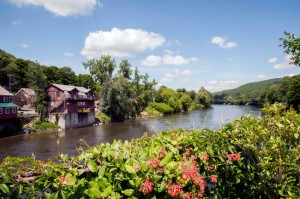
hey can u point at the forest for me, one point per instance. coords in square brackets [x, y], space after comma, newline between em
[283, 90]
[123, 92]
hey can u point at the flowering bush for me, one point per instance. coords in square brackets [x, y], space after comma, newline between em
[232, 162]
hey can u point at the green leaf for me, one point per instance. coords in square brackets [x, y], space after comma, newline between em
[296, 135]
[166, 159]
[101, 172]
[128, 192]
[92, 166]
[94, 192]
[4, 188]
[209, 150]
[129, 169]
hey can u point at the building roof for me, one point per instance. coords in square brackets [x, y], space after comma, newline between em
[7, 105]
[28, 91]
[70, 88]
[3, 91]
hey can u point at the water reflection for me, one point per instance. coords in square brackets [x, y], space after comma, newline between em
[44, 146]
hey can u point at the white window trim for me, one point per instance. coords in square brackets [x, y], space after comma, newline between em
[7, 110]
[1, 111]
[14, 110]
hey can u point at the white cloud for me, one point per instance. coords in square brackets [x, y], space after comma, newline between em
[214, 86]
[180, 75]
[285, 64]
[186, 72]
[62, 8]
[223, 43]
[24, 45]
[16, 23]
[168, 58]
[273, 60]
[68, 54]
[120, 43]
[261, 77]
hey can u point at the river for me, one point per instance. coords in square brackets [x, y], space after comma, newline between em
[45, 146]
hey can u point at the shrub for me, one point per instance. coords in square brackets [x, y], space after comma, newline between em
[43, 126]
[103, 117]
[152, 112]
[250, 158]
[162, 108]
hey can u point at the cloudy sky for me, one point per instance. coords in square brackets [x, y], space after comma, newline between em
[217, 44]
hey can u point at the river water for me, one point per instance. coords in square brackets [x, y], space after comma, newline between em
[48, 145]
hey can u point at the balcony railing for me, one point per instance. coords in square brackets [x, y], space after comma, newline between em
[80, 97]
[83, 109]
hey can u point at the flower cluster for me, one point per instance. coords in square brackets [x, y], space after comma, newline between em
[153, 163]
[174, 189]
[234, 156]
[214, 178]
[146, 187]
[162, 152]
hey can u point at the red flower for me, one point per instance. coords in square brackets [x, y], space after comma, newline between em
[174, 189]
[146, 187]
[214, 178]
[187, 152]
[153, 163]
[234, 156]
[190, 173]
[188, 195]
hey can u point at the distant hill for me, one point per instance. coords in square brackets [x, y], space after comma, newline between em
[250, 87]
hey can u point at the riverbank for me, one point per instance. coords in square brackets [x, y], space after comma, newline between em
[175, 163]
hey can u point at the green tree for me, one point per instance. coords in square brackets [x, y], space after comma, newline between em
[204, 97]
[51, 73]
[86, 80]
[125, 69]
[293, 94]
[102, 69]
[66, 76]
[291, 45]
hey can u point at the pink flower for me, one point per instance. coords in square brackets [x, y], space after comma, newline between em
[190, 173]
[234, 156]
[187, 152]
[205, 157]
[210, 168]
[214, 178]
[198, 181]
[162, 152]
[187, 195]
[174, 189]
[146, 187]
[153, 163]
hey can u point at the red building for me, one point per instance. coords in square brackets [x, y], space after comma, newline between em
[8, 110]
[70, 106]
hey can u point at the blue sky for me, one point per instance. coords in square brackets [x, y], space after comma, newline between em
[217, 44]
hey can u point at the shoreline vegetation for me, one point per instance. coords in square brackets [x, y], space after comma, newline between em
[248, 158]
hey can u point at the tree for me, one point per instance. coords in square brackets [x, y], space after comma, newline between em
[291, 45]
[293, 94]
[125, 69]
[86, 80]
[66, 76]
[51, 73]
[204, 97]
[101, 70]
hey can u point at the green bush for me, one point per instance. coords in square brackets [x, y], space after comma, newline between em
[103, 117]
[162, 108]
[250, 158]
[152, 111]
[43, 126]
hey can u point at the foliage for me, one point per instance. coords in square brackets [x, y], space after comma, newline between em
[162, 108]
[43, 126]
[291, 45]
[283, 90]
[152, 111]
[272, 145]
[204, 97]
[250, 158]
[103, 117]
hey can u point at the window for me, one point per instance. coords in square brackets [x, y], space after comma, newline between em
[7, 110]
[5, 98]
[14, 110]
[57, 93]
[1, 110]
[10, 99]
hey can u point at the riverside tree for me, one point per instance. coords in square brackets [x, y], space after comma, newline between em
[291, 45]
